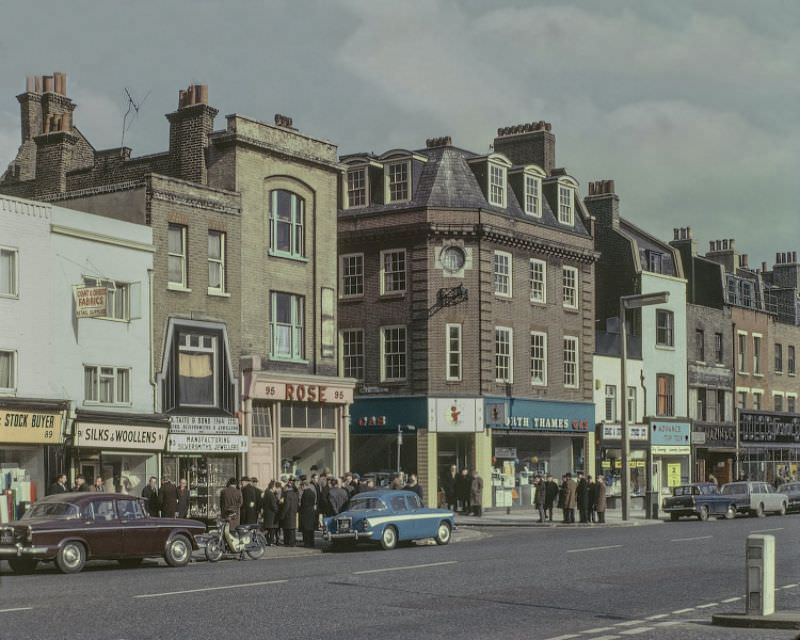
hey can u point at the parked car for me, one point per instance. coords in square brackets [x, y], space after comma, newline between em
[387, 517]
[700, 499]
[792, 491]
[756, 498]
[71, 528]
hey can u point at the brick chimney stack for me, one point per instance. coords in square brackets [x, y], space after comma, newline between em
[724, 252]
[189, 127]
[531, 143]
[603, 203]
[786, 272]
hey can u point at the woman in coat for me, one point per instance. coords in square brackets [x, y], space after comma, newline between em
[600, 498]
[570, 498]
[270, 512]
[476, 494]
[308, 514]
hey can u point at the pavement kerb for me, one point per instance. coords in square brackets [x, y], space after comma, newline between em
[778, 620]
[482, 522]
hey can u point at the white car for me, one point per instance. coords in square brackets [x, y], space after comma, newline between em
[756, 498]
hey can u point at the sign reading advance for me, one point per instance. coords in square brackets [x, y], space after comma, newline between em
[30, 427]
[670, 434]
[227, 425]
[115, 436]
[192, 443]
[757, 428]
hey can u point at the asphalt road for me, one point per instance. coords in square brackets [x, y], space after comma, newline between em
[661, 581]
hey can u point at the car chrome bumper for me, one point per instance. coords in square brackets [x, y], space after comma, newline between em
[352, 535]
[21, 550]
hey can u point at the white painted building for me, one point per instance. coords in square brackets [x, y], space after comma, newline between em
[76, 393]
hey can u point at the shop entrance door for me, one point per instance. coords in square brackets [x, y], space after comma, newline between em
[89, 470]
[454, 449]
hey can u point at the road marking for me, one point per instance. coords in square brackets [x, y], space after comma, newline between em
[789, 586]
[597, 630]
[731, 599]
[767, 530]
[690, 539]
[628, 623]
[413, 566]
[610, 546]
[679, 611]
[569, 636]
[230, 586]
[668, 623]
[658, 616]
[607, 638]
[636, 631]
[16, 609]
[708, 606]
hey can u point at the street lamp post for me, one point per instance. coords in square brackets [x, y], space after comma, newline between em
[636, 301]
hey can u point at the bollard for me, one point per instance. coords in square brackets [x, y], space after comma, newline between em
[760, 554]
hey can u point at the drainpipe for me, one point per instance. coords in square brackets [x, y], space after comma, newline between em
[150, 313]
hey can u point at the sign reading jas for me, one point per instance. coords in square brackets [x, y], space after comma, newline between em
[227, 425]
[117, 436]
[194, 443]
[455, 415]
[30, 427]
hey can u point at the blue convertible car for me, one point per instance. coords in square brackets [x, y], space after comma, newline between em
[388, 517]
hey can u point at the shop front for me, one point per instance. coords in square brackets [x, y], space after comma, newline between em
[31, 453]
[769, 445]
[296, 424]
[536, 437]
[714, 452]
[671, 454]
[206, 451]
[609, 459]
[124, 449]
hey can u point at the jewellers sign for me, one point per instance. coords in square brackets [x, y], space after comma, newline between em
[90, 302]
[116, 436]
[757, 428]
[193, 443]
[219, 425]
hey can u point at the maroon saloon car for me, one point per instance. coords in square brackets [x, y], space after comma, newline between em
[71, 528]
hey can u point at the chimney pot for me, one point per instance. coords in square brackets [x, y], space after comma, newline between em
[39, 81]
[731, 244]
[30, 84]
[202, 93]
[744, 261]
[48, 84]
[675, 234]
[794, 256]
[763, 266]
[56, 82]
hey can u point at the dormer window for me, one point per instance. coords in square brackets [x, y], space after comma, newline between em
[398, 181]
[533, 196]
[357, 188]
[566, 205]
[497, 185]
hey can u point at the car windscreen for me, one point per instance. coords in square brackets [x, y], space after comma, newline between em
[732, 489]
[682, 491]
[57, 510]
[366, 504]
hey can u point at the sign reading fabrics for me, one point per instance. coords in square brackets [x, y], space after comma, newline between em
[30, 427]
[193, 443]
[90, 302]
[227, 425]
[116, 436]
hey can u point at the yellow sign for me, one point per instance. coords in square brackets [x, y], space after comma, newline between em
[673, 475]
[30, 427]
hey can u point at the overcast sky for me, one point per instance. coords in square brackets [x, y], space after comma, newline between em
[692, 107]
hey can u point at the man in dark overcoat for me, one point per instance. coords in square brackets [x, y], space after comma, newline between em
[230, 503]
[582, 496]
[183, 499]
[308, 514]
[550, 496]
[287, 513]
[450, 488]
[251, 497]
[269, 510]
[169, 499]
[151, 495]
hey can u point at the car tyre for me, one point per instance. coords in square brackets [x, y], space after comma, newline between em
[71, 557]
[759, 512]
[23, 566]
[674, 517]
[782, 511]
[730, 512]
[130, 563]
[178, 551]
[702, 515]
[389, 538]
[443, 533]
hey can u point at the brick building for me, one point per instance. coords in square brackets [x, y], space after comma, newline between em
[233, 212]
[466, 297]
[634, 262]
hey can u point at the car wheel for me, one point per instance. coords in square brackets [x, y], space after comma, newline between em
[702, 515]
[759, 513]
[443, 533]
[71, 557]
[214, 549]
[23, 566]
[130, 563]
[730, 512]
[674, 517]
[782, 511]
[389, 538]
[178, 551]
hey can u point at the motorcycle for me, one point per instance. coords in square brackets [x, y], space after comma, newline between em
[245, 540]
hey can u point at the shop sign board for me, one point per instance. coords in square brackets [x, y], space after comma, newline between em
[637, 432]
[206, 443]
[540, 415]
[670, 450]
[283, 390]
[674, 474]
[495, 414]
[29, 427]
[120, 436]
[90, 302]
[455, 415]
[670, 433]
[719, 436]
[698, 437]
[505, 453]
[220, 425]
[762, 427]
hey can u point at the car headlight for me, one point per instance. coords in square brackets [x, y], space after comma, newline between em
[366, 524]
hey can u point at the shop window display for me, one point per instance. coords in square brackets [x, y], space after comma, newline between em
[206, 477]
[21, 480]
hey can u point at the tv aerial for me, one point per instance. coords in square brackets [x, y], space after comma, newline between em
[132, 112]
